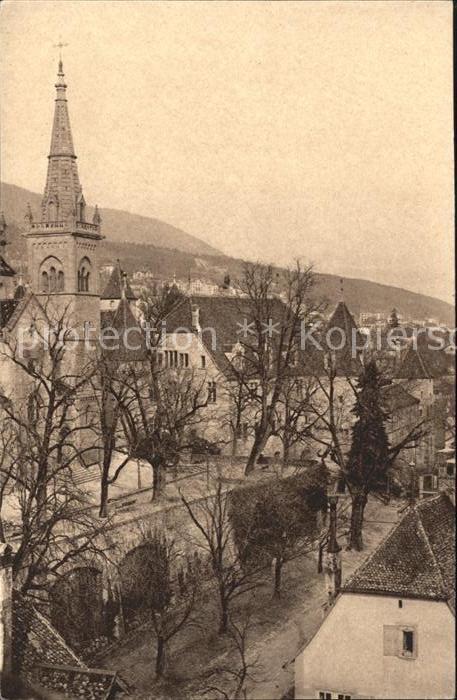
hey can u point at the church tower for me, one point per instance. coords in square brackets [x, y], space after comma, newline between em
[62, 244]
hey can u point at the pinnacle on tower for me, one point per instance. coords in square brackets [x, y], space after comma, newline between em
[97, 219]
[28, 214]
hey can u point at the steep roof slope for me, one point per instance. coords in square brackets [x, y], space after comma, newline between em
[113, 288]
[417, 558]
[224, 321]
[122, 338]
[395, 398]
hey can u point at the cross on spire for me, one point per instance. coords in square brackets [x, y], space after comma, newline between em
[60, 46]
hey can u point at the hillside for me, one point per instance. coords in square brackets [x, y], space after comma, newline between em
[175, 255]
[118, 225]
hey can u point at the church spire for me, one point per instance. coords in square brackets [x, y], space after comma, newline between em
[62, 198]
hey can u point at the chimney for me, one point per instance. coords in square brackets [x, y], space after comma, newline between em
[196, 318]
[332, 563]
[6, 622]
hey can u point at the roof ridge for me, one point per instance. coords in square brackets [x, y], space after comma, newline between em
[422, 362]
[430, 549]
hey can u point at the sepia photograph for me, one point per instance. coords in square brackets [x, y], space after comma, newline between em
[227, 350]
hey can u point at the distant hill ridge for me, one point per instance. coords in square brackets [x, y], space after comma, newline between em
[116, 223]
[165, 250]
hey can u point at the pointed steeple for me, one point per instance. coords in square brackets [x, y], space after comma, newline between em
[118, 286]
[63, 189]
[341, 289]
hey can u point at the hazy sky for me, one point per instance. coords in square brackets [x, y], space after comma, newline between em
[269, 129]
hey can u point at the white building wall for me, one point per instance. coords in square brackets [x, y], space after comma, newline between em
[346, 656]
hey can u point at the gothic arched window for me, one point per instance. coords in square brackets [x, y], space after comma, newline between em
[84, 275]
[52, 278]
[44, 281]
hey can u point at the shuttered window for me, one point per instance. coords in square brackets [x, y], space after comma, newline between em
[391, 639]
[400, 641]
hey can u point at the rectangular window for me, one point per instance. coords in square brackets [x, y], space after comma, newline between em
[429, 482]
[203, 361]
[212, 395]
[183, 359]
[408, 642]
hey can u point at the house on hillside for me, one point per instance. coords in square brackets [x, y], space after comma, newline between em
[391, 630]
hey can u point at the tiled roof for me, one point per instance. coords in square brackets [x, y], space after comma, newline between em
[416, 559]
[113, 289]
[396, 398]
[5, 269]
[42, 655]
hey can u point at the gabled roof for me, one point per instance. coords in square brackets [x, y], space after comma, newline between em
[342, 318]
[341, 330]
[14, 308]
[7, 307]
[424, 358]
[129, 342]
[113, 289]
[226, 316]
[396, 398]
[5, 269]
[416, 559]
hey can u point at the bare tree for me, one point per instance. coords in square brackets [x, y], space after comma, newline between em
[275, 307]
[155, 303]
[49, 437]
[113, 399]
[159, 413]
[150, 585]
[214, 533]
[294, 414]
[234, 677]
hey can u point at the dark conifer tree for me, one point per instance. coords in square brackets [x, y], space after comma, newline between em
[369, 456]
